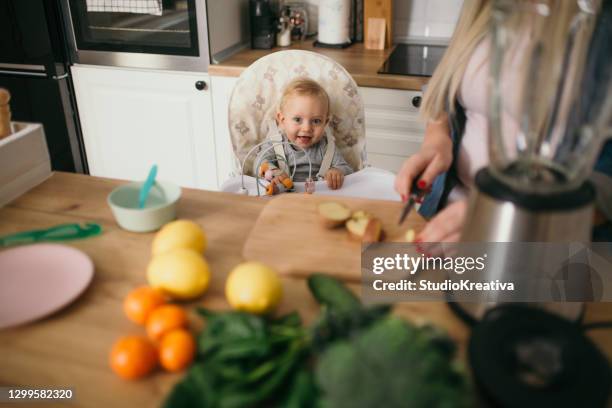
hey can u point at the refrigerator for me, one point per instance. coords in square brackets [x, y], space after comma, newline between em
[34, 67]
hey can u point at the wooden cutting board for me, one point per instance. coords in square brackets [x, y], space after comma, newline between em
[288, 235]
[379, 9]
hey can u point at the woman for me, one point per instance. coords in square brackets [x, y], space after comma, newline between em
[455, 108]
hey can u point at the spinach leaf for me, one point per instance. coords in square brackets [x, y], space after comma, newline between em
[342, 314]
[332, 293]
[243, 361]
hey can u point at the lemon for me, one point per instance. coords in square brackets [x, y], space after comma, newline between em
[253, 287]
[181, 273]
[179, 234]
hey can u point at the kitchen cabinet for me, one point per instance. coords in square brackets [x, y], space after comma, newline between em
[133, 118]
[221, 89]
[393, 128]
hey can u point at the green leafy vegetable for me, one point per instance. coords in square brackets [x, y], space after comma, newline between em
[342, 314]
[394, 364]
[332, 293]
[361, 357]
[243, 360]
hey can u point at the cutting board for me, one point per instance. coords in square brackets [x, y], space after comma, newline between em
[379, 9]
[288, 235]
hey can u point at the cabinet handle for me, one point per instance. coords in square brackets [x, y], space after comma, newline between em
[201, 85]
[416, 101]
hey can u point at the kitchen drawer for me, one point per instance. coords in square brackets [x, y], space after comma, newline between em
[394, 99]
[394, 130]
[399, 144]
[391, 110]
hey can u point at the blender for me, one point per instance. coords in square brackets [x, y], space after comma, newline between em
[549, 113]
[545, 129]
[550, 110]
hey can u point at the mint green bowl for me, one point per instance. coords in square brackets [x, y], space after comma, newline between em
[159, 209]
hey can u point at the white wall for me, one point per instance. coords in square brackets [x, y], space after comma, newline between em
[228, 22]
[424, 18]
[414, 18]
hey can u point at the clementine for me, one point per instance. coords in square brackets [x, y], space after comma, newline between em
[133, 357]
[140, 302]
[176, 350]
[164, 319]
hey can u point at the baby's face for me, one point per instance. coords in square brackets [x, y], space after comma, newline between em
[303, 118]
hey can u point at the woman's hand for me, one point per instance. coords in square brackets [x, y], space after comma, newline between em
[446, 226]
[334, 178]
[434, 158]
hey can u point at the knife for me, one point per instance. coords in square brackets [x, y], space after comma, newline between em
[407, 208]
[415, 194]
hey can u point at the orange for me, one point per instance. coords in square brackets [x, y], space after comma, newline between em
[164, 319]
[140, 302]
[176, 350]
[133, 357]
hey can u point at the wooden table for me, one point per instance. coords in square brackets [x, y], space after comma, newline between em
[70, 348]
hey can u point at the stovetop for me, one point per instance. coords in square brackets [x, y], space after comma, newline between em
[413, 60]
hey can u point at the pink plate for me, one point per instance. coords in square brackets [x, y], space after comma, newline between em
[37, 280]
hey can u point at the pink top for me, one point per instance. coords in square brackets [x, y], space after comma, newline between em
[472, 95]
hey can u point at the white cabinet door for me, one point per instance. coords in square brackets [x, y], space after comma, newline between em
[221, 89]
[132, 119]
[394, 130]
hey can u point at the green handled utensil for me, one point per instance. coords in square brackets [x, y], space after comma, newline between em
[146, 187]
[63, 232]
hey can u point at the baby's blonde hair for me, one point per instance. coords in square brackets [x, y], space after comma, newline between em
[303, 87]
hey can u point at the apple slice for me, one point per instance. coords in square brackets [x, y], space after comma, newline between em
[364, 229]
[333, 214]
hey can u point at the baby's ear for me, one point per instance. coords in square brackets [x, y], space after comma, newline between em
[279, 117]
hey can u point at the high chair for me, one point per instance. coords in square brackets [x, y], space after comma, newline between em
[252, 111]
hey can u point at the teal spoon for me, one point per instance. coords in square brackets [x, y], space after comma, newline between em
[146, 187]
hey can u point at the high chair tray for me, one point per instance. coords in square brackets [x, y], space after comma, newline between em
[289, 236]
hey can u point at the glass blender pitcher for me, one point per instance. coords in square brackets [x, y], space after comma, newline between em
[550, 105]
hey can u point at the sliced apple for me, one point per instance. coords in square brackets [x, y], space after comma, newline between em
[410, 235]
[361, 214]
[374, 231]
[364, 229]
[333, 214]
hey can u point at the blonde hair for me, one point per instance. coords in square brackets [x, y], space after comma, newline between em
[442, 89]
[303, 87]
[472, 27]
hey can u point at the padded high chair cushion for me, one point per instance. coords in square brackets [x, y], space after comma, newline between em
[256, 95]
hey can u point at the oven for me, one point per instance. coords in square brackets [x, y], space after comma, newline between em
[155, 34]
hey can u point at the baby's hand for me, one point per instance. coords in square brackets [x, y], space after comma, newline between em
[278, 178]
[334, 178]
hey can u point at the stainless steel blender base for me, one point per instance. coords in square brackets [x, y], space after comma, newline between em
[493, 220]
[496, 213]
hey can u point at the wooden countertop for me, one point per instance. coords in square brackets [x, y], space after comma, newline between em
[70, 348]
[362, 64]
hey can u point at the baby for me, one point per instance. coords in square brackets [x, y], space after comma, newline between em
[302, 116]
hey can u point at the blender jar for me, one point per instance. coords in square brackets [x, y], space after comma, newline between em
[545, 128]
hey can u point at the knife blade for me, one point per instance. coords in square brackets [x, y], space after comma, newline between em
[407, 208]
[415, 195]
